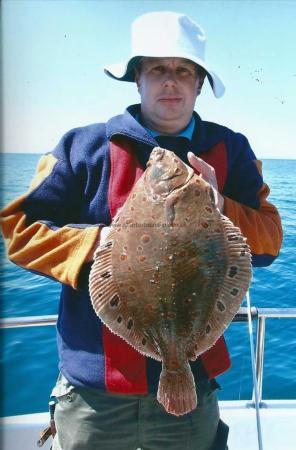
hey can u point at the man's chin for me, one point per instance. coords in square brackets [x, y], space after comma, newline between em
[170, 124]
[171, 113]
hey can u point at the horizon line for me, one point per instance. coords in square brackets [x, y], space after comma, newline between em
[43, 153]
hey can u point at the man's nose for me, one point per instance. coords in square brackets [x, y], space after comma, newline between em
[170, 78]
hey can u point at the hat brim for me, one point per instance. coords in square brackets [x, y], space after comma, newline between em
[125, 71]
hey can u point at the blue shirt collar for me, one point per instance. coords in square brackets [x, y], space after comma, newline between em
[186, 133]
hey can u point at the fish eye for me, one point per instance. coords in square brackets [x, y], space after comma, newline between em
[156, 172]
[212, 195]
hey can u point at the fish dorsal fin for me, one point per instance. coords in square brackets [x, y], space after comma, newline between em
[109, 305]
[237, 276]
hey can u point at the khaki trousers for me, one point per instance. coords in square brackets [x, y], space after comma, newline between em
[89, 419]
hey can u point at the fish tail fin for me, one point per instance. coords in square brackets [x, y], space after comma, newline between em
[176, 391]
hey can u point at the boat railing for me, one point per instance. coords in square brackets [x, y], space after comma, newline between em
[258, 314]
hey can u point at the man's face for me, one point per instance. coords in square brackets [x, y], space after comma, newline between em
[168, 88]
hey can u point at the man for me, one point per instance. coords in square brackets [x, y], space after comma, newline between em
[106, 392]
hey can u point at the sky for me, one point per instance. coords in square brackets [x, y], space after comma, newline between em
[54, 52]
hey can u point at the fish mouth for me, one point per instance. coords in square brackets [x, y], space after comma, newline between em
[163, 195]
[173, 175]
[190, 173]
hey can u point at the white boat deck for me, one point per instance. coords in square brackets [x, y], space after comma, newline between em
[278, 417]
[278, 421]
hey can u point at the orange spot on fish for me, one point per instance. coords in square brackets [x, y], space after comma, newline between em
[174, 365]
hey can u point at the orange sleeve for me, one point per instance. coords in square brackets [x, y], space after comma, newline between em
[262, 226]
[57, 252]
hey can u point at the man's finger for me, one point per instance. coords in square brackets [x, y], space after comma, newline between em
[199, 164]
[206, 171]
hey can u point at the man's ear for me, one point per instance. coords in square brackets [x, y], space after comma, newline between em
[137, 78]
[200, 84]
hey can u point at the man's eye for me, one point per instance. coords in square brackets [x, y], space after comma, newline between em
[183, 71]
[158, 69]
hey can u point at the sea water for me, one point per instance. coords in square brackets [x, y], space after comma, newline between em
[29, 357]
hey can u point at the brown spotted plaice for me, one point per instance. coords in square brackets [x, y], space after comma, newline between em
[172, 273]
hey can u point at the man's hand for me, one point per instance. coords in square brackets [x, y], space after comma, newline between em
[207, 172]
[103, 235]
[100, 241]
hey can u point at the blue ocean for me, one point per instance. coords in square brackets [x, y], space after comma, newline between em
[29, 356]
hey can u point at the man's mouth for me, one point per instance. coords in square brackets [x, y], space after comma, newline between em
[170, 99]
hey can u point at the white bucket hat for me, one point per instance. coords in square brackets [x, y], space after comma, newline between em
[164, 35]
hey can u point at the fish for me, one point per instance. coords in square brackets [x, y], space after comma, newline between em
[171, 274]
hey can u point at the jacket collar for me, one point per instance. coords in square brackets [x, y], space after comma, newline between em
[126, 125]
[205, 134]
